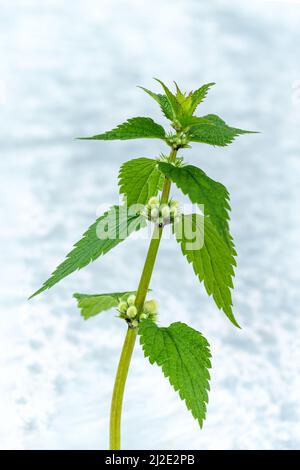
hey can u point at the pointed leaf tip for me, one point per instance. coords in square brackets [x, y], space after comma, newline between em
[133, 128]
[213, 263]
[92, 245]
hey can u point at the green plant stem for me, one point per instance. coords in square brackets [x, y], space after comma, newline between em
[118, 392]
[128, 346]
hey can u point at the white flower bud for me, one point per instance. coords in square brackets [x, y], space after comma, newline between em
[131, 312]
[143, 316]
[165, 212]
[122, 307]
[135, 323]
[154, 212]
[153, 201]
[150, 306]
[131, 300]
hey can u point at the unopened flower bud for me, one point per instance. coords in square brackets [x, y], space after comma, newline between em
[154, 213]
[131, 300]
[135, 323]
[131, 312]
[122, 307]
[165, 212]
[143, 316]
[153, 201]
[150, 306]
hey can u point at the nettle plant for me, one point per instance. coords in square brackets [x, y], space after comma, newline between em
[182, 352]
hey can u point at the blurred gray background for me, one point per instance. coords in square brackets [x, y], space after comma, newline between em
[69, 69]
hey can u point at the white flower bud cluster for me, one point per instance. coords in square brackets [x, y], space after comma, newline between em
[161, 214]
[178, 140]
[128, 311]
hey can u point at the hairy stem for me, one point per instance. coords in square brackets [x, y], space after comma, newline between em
[121, 376]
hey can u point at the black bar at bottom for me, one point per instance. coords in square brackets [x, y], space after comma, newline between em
[146, 458]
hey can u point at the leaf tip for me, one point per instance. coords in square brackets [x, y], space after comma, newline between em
[158, 80]
[36, 293]
[235, 323]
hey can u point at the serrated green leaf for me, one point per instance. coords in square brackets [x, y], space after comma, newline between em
[175, 106]
[106, 233]
[181, 105]
[140, 179]
[199, 95]
[181, 97]
[213, 263]
[184, 356]
[92, 304]
[211, 129]
[184, 100]
[202, 190]
[134, 128]
[163, 102]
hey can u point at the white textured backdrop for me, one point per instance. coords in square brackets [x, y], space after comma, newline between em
[69, 69]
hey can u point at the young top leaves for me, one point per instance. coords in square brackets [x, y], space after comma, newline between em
[199, 95]
[134, 128]
[140, 179]
[213, 263]
[202, 190]
[179, 109]
[173, 101]
[176, 106]
[163, 102]
[107, 232]
[184, 356]
[92, 304]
